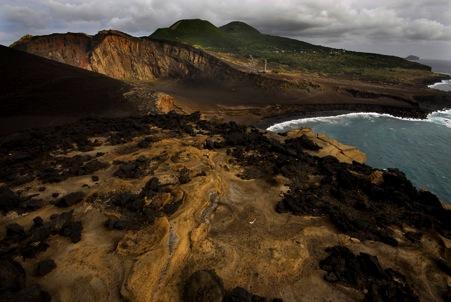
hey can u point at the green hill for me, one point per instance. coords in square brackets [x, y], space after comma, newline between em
[235, 36]
[195, 32]
[242, 39]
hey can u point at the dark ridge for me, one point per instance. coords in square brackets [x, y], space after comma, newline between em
[39, 92]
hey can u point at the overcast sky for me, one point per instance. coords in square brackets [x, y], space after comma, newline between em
[400, 27]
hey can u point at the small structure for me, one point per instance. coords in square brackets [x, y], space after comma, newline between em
[253, 65]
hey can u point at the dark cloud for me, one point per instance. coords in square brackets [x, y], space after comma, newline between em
[421, 24]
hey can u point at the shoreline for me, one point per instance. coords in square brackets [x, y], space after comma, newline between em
[338, 109]
[335, 125]
[397, 112]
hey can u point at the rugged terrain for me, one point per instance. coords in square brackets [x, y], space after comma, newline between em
[225, 84]
[127, 204]
[175, 208]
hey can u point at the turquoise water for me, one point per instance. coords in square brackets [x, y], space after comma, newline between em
[419, 148]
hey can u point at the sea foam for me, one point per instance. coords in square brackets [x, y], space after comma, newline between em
[442, 117]
[444, 85]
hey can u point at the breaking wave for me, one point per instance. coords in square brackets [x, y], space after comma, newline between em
[444, 85]
[442, 117]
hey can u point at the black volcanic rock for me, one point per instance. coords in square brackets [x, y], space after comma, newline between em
[301, 143]
[12, 275]
[13, 284]
[203, 286]
[10, 201]
[206, 285]
[133, 169]
[184, 176]
[365, 273]
[70, 199]
[44, 267]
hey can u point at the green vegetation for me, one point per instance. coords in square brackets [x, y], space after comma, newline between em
[241, 39]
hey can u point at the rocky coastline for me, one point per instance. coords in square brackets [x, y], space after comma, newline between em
[140, 61]
[158, 182]
[177, 208]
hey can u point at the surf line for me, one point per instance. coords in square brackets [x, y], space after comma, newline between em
[442, 117]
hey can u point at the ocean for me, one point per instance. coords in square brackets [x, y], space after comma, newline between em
[419, 148]
[440, 66]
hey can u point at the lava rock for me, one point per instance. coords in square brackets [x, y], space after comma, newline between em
[203, 286]
[365, 272]
[115, 224]
[44, 267]
[12, 275]
[93, 166]
[146, 142]
[184, 176]
[33, 293]
[133, 169]
[9, 200]
[15, 231]
[38, 221]
[239, 294]
[172, 207]
[72, 230]
[129, 201]
[70, 199]
[151, 187]
[301, 143]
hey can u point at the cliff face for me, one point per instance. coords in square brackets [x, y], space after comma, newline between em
[125, 57]
[70, 48]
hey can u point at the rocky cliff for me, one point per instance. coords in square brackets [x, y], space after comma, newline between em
[122, 56]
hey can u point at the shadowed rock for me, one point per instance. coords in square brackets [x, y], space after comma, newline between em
[70, 199]
[365, 273]
[44, 267]
[203, 286]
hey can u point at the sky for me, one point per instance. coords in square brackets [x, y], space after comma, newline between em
[398, 27]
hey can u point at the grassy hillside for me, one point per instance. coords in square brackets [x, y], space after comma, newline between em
[243, 40]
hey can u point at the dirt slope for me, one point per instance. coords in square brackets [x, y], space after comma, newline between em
[37, 92]
[33, 87]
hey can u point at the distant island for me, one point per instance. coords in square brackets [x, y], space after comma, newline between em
[413, 58]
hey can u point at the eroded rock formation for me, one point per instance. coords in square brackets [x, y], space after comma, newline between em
[135, 208]
[124, 57]
[121, 56]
